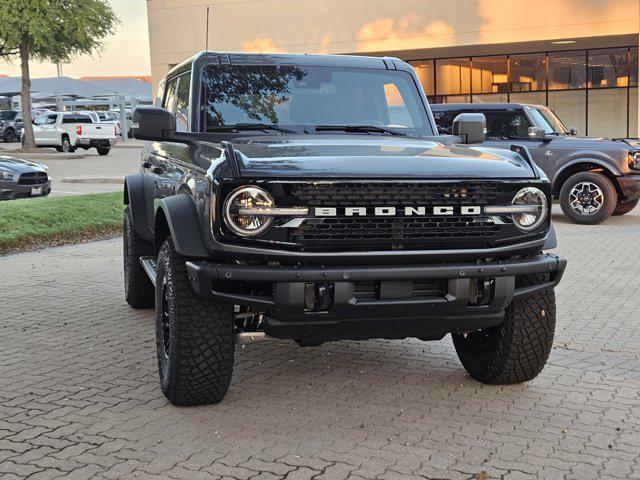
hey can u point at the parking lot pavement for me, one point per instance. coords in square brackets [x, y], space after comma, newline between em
[88, 164]
[79, 394]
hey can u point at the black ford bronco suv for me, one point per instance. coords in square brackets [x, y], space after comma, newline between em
[309, 197]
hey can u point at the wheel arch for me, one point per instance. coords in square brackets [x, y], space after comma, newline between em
[177, 216]
[585, 165]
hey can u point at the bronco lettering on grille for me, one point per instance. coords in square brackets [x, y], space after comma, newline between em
[396, 211]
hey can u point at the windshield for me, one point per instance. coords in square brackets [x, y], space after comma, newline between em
[545, 118]
[7, 115]
[300, 97]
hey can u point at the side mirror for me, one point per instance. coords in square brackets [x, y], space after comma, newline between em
[152, 123]
[537, 133]
[573, 131]
[470, 126]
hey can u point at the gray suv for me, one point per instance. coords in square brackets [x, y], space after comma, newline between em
[592, 177]
[10, 125]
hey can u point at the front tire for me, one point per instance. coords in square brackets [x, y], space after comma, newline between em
[66, 146]
[103, 151]
[9, 136]
[625, 207]
[588, 198]
[194, 336]
[517, 350]
[138, 289]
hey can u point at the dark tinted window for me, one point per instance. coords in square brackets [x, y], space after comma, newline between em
[76, 119]
[506, 124]
[7, 115]
[444, 120]
[297, 96]
[182, 102]
[170, 95]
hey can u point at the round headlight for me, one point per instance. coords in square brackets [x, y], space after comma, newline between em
[532, 219]
[247, 197]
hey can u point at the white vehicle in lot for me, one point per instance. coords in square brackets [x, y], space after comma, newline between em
[70, 131]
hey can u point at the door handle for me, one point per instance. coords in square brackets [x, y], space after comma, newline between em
[146, 164]
[157, 170]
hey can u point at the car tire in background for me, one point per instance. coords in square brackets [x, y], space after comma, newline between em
[66, 146]
[588, 198]
[194, 336]
[138, 290]
[623, 208]
[9, 136]
[517, 350]
[103, 151]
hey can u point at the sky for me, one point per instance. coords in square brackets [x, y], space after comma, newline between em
[125, 53]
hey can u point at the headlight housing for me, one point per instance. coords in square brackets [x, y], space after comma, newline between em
[247, 197]
[634, 160]
[6, 175]
[537, 211]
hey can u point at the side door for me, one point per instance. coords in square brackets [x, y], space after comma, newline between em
[45, 129]
[167, 159]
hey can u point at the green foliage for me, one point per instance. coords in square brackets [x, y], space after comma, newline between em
[41, 222]
[54, 30]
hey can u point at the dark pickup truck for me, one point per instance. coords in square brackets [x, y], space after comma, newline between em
[592, 177]
[309, 197]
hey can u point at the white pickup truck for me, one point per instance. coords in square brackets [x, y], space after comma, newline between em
[69, 131]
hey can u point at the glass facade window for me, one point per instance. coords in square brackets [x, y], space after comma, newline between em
[534, 98]
[633, 112]
[489, 75]
[608, 68]
[608, 112]
[567, 70]
[425, 71]
[528, 72]
[593, 90]
[571, 107]
[633, 67]
[453, 76]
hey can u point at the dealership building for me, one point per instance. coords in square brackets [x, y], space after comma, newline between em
[579, 57]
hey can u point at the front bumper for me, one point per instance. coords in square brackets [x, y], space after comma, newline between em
[630, 186]
[10, 189]
[397, 313]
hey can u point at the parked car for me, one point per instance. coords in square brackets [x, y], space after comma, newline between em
[22, 178]
[296, 201]
[592, 177]
[69, 131]
[10, 125]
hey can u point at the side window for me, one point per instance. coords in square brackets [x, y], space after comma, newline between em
[51, 119]
[170, 95]
[182, 103]
[160, 95]
[444, 121]
[506, 125]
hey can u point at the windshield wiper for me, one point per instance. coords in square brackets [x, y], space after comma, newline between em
[248, 126]
[357, 128]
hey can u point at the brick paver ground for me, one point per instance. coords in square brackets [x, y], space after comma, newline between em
[79, 395]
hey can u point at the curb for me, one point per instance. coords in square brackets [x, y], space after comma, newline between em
[116, 181]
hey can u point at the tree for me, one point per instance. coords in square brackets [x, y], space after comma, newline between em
[50, 30]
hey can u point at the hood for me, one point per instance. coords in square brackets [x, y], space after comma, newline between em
[355, 156]
[17, 165]
[575, 141]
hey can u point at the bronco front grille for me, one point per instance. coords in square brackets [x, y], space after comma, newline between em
[397, 194]
[354, 232]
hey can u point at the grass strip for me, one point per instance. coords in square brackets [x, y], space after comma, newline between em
[31, 223]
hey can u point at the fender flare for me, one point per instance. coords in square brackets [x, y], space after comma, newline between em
[182, 220]
[613, 170]
[134, 197]
[551, 241]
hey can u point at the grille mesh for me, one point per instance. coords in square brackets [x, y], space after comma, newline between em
[397, 194]
[32, 178]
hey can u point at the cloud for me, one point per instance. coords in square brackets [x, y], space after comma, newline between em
[409, 31]
[261, 45]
